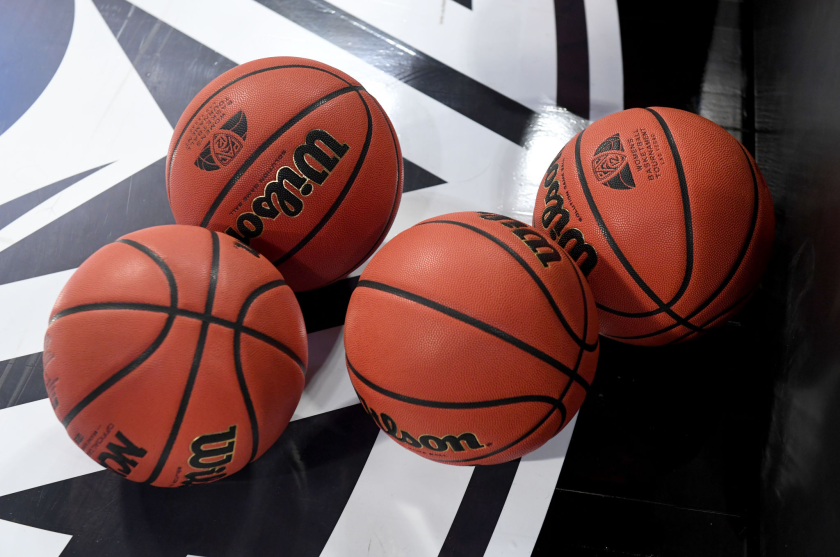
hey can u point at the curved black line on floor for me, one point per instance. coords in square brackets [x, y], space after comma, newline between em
[476, 101]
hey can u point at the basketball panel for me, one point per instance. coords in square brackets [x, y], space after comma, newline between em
[468, 272]
[187, 251]
[453, 436]
[214, 438]
[561, 212]
[723, 200]
[276, 314]
[644, 214]
[409, 349]
[115, 273]
[274, 387]
[530, 442]
[290, 202]
[130, 422]
[84, 350]
[243, 274]
[276, 81]
[363, 217]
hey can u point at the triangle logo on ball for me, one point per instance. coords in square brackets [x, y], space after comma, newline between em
[225, 144]
[610, 165]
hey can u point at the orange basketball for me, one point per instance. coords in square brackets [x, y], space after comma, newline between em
[292, 157]
[175, 356]
[471, 339]
[667, 215]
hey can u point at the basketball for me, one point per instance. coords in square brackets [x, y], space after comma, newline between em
[175, 356]
[471, 339]
[292, 157]
[667, 215]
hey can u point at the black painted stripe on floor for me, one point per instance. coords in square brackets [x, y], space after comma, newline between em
[479, 511]
[326, 307]
[137, 202]
[19, 206]
[417, 178]
[572, 56]
[431, 77]
[140, 199]
[22, 380]
[158, 52]
[466, 3]
[290, 498]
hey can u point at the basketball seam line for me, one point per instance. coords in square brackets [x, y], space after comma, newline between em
[581, 342]
[177, 312]
[349, 184]
[616, 250]
[152, 348]
[219, 90]
[237, 359]
[732, 271]
[196, 364]
[472, 321]
[689, 229]
[559, 405]
[397, 194]
[735, 304]
[568, 386]
[449, 405]
[267, 143]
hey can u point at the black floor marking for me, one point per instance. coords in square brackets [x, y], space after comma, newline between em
[22, 380]
[466, 3]
[572, 56]
[326, 307]
[474, 100]
[480, 509]
[136, 202]
[689, 25]
[289, 498]
[158, 53]
[19, 206]
[33, 40]
[417, 178]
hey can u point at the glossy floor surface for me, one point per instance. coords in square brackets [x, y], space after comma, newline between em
[664, 457]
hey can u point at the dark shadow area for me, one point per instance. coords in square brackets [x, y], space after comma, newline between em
[666, 456]
[797, 77]
[664, 47]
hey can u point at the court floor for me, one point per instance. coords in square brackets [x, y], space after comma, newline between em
[482, 94]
